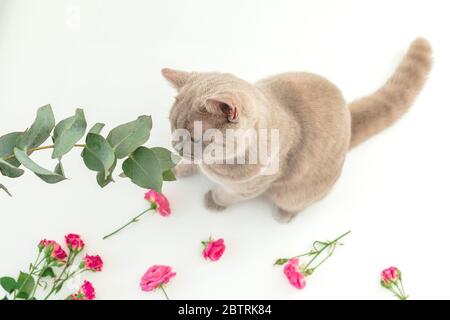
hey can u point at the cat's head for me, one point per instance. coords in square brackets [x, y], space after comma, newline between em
[217, 101]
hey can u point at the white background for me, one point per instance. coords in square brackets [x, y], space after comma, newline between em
[106, 56]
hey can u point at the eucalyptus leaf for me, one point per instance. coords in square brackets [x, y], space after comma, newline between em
[103, 180]
[166, 158]
[98, 154]
[8, 284]
[67, 133]
[168, 175]
[39, 131]
[97, 128]
[7, 145]
[59, 169]
[5, 189]
[143, 168]
[9, 170]
[46, 175]
[127, 137]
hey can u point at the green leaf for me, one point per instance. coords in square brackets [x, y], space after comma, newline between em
[309, 271]
[104, 181]
[58, 287]
[169, 176]
[5, 298]
[67, 133]
[48, 273]
[97, 128]
[7, 145]
[39, 131]
[25, 285]
[46, 175]
[143, 168]
[59, 169]
[9, 170]
[22, 295]
[98, 154]
[281, 261]
[129, 136]
[166, 158]
[8, 283]
[6, 190]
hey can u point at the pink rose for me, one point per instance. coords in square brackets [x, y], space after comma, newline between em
[86, 292]
[53, 249]
[391, 279]
[93, 263]
[293, 274]
[214, 249]
[155, 277]
[44, 243]
[390, 275]
[58, 252]
[159, 202]
[74, 242]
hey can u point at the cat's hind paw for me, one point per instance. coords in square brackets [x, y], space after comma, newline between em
[211, 204]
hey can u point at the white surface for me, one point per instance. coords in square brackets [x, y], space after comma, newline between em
[106, 56]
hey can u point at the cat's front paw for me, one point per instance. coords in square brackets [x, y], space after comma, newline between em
[283, 216]
[211, 204]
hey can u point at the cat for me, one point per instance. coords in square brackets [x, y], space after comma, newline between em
[315, 125]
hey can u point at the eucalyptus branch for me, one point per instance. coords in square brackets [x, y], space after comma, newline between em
[32, 150]
[146, 167]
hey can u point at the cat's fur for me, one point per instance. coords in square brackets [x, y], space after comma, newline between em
[317, 128]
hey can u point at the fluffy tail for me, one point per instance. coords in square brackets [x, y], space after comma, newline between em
[380, 110]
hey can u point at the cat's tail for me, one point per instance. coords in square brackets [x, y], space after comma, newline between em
[380, 110]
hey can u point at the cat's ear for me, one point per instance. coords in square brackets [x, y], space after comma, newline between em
[224, 105]
[175, 77]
